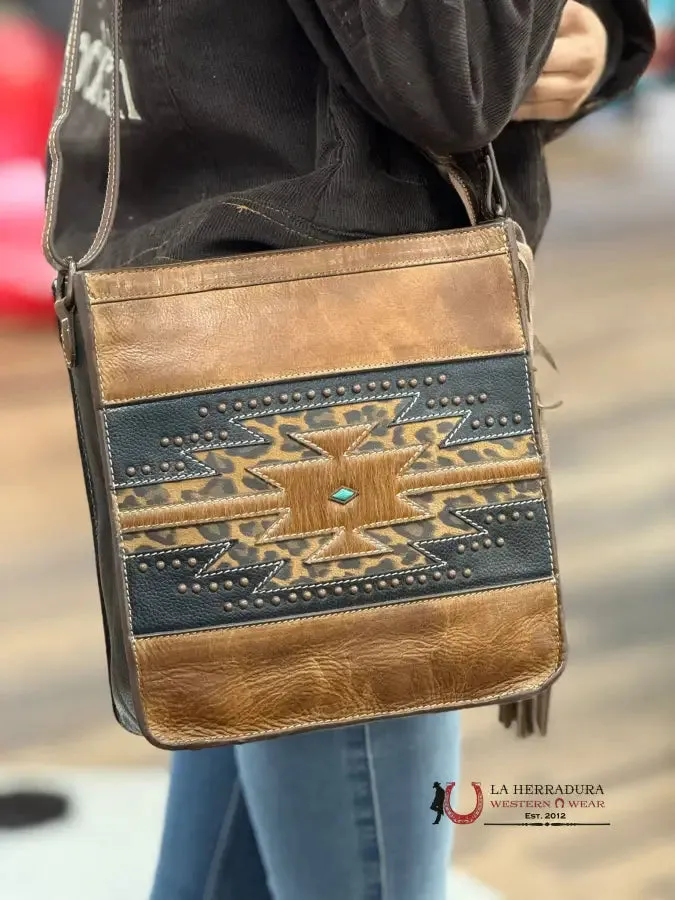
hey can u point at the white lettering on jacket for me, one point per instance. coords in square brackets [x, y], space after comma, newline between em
[94, 76]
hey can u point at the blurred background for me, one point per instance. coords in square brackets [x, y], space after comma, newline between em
[93, 795]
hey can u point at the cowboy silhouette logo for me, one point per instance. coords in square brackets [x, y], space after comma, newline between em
[442, 803]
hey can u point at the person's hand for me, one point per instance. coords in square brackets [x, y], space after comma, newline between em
[573, 68]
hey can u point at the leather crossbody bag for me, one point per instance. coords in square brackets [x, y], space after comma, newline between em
[317, 481]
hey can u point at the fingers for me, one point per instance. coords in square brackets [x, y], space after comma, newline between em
[574, 55]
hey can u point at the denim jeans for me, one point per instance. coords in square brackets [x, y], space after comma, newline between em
[339, 814]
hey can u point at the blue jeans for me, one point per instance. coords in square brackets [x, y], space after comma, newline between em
[341, 814]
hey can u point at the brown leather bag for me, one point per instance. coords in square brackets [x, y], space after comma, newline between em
[317, 481]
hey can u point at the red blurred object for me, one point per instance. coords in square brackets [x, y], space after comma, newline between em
[30, 72]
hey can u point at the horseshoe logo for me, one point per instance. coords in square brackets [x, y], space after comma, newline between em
[461, 818]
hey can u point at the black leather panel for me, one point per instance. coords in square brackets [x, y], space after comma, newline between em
[151, 442]
[181, 590]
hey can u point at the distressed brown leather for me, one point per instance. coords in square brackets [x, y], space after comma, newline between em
[289, 265]
[242, 683]
[458, 291]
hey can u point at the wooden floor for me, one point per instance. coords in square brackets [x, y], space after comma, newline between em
[606, 308]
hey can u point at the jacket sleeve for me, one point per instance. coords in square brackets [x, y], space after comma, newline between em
[447, 75]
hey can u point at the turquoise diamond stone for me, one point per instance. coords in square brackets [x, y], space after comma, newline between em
[344, 495]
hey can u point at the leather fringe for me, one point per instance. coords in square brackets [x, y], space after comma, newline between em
[530, 716]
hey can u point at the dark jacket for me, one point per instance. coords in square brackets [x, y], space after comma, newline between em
[277, 123]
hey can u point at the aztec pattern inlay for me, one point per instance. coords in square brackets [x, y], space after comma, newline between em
[306, 497]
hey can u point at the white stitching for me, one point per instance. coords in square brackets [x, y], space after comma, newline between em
[356, 367]
[434, 565]
[271, 623]
[263, 257]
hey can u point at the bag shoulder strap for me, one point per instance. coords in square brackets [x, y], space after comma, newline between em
[493, 206]
[56, 162]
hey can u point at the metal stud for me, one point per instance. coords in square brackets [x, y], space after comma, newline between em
[413, 382]
[238, 405]
[203, 411]
[338, 591]
[253, 404]
[409, 579]
[482, 397]
[452, 574]
[382, 584]
[475, 545]
[194, 437]
[461, 548]
[267, 401]
[192, 562]
[243, 582]
[326, 392]
[196, 588]
[503, 420]
[276, 601]
[259, 602]
[146, 469]
[475, 424]
[243, 604]
[471, 399]
[422, 579]
[228, 585]
[182, 588]
[356, 388]
[208, 435]
[175, 563]
[283, 398]
[143, 567]
[500, 542]
[297, 397]
[489, 520]
[456, 401]
[213, 587]
[292, 598]
[165, 442]
[180, 466]
[467, 573]
[372, 386]
[490, 420]
[487, 543]
[431, 403]
[400, 383]
[395, 582]
[223, 435]
[517, 418]
[160, 564]
[131, 471]
[428, 380]
[437, 576]
[311, 395]
[501, 518]
[306, 595]
[386, 385]
[341, 391]
[322, 592]
[444, 401]
[368, 588]
[229, 606]
[529, 515]
[442, 379]
[515, 516]
[353, 589]
[178, 441]
[222, 407]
